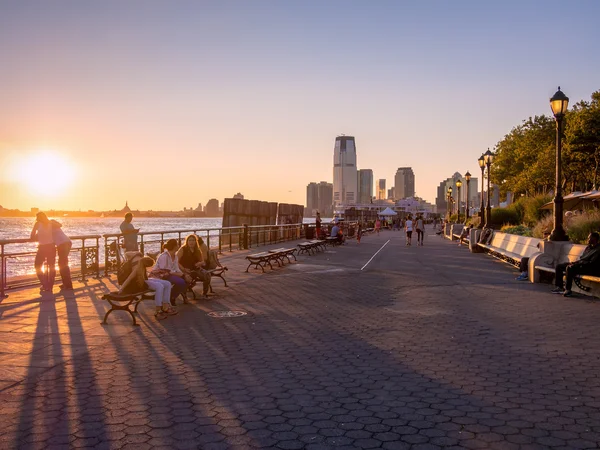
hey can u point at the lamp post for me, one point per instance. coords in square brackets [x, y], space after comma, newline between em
[488, 157]
[481, 162]
[468, 178]
[458, 186]
[449, 202]
[559, 103]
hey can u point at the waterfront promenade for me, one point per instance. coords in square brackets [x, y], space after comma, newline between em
[427, 347]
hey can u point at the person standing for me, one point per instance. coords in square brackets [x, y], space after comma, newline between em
[130, 233]
[46, 252]
[63, 247]
[318, 226]
[409, 229]
[378, 225]
[420, 230]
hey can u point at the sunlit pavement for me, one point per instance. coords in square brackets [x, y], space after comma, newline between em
[427, 347]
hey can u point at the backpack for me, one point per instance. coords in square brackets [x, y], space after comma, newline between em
[124, 272]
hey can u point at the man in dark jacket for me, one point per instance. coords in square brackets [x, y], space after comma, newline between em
[588, 264]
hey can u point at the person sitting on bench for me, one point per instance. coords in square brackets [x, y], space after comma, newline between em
[588, 264]
[336, 231]
[191, 261]
[138, 281]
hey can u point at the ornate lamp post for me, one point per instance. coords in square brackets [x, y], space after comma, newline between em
[458, 186]
[488, 157]
[449, 202]
[468, 178]
[481, 162]
[559, 103]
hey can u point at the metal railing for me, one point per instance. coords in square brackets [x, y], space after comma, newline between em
[87, 252]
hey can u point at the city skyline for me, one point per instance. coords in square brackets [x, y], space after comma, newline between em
[215, 98]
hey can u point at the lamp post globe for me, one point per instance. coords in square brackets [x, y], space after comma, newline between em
[468, 179]
[458, 186]
[559, 104]
[481, 162]
[488, 157]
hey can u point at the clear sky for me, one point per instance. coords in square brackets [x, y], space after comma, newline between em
[169, 103]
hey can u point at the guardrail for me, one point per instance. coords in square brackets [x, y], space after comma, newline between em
[88, 251]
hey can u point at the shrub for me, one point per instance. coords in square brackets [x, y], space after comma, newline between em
[505, 216]
[579, 227]
[543, 228]
[520, 230]
[532, 213]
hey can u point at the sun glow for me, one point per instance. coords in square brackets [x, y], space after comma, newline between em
[44, 173]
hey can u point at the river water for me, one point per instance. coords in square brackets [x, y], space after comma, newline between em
[20, 228]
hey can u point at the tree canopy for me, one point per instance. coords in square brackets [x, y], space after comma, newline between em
[525, 157]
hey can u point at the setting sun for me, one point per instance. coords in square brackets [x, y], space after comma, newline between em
[45, 173]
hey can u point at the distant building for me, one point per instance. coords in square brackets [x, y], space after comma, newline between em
[404, 183]
[35, 210]
[365, 185]
[199, 207]
[473, 200]
[380, 189]
[312, 198]
[212, 208]
[319, 197]
[390, 194]
[126, 208]
[345, 183]
[238, 195]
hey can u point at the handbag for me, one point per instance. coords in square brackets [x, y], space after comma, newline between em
[160, 273]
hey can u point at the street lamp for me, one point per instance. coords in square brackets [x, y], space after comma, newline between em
[488, 157]
[468, 178]
[559, 103]
[458, 186]
[449, 195]
[481, 162]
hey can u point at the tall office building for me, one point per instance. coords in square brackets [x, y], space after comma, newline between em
[365, 185]
[345, 183]
[380, 188]
[404, 183]
[474, 196]
[325, 203]
[312, 197]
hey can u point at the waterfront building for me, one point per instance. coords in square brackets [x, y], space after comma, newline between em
[325, 203]
[365, 185]
[380, 188]
[345, 183]
[390, 194]
[239, 196]
[312, 198]
[212, 208]
[126, 208]
[404, 183]
[474, 196]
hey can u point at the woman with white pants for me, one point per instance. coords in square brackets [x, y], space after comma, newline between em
[138, 281]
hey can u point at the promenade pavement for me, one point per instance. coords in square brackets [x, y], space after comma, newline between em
[427, 347]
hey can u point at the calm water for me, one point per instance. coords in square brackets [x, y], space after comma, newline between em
[20, 228]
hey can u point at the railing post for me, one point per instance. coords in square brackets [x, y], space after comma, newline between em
[106, 256]
[245, 237]
[142, 244]
[208, 238]
[83, 265]
[2, 272]
[97, 257]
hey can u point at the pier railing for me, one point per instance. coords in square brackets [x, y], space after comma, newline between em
[92, 255]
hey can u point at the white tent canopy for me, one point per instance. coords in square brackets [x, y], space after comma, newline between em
[388, 212]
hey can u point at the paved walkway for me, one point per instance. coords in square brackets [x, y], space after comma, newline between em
[427, 347]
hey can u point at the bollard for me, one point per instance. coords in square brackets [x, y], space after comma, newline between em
[245, 237]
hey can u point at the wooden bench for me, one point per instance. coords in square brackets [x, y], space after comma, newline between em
[284, 253]
[511, 248]
[260, 260]
[319, 244]
[309, 247]
[542, 264]
[122, 302]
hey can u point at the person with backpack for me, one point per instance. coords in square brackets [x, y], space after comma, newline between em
[133, 278]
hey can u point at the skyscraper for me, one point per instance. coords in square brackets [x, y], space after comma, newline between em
[312, 197]
[404, 183]
[325, 203]
[365, 185]
[380, 188]
[345, 183]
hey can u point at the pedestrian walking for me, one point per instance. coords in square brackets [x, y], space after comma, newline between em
[420, 226]
[409, 229]
[318, 225]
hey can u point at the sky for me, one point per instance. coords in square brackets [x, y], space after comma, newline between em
[166, 104]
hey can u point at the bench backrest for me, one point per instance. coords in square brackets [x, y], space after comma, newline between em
[571, 253]
[521, 245]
